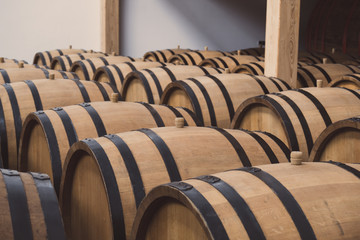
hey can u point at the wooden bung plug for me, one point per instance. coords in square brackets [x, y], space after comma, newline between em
[51, 76]
[179, 122]
[333, 50]
[70, 46]
[114, 97]
[113, 53]
[319, 83]
[2, 60]
[296, 158]
[21, 65]
[325, 60]
[227, 70]
[239, 52]
[91, 51]
[206, 48]
[178, 46]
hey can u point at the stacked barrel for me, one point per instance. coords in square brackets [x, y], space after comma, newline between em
[178, 144]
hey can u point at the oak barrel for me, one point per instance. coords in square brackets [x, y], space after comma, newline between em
[258, 52]
[195, 57]
[339, 142]
[45, 58]
[64, 62]
[163, 55]
[297, 116]
[46, 138]
[116, 73]
[351, 81]
[29, 207]
[148, 85]
[112, 174]
[214, 98]
[229, 62]
[20, 74]
[256, 68]
[307, 75]
[21, 98]
[7, 60]
[20, 65]
[85, 69]
[279, 201]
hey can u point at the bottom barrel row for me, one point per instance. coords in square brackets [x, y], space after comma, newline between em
[275, 201]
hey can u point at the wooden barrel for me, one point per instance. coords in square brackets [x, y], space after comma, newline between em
[351, 81]
[7, 60]
[280, 201]
[195, 57]
[116, 73]
[339, 142]
[229, 62]
[111, 175]
[45, 58]
[258, 52]
[21, 98]
[256, 68]
[73, 123]
[20, 74]
[307, 75]
[20, 65]
[214, 98]
[297, 116]
[163, 55]
[29, 207]
[148, 85]
[64, 62]
[85, 69]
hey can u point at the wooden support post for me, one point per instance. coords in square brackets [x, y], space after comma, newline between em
[110, 25]
[282, 39]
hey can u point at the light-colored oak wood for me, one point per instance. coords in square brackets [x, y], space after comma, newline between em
[269, 113]
[195, 150]
[194, 57]
[229, 61]
[326, 194]
[21, 74]
[158, 55]
[42, 227]
[254, 68]
[65, 62]
[134, 86]
[282, 37]
[218, 110]
[339, 142]
[44, 58]
[350, 81]
[52, 94]
[116, 73]
[8, 65]
[85, 69]
[35, 153]
[111, 25]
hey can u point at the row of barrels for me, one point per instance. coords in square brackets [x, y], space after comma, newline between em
[98, 174]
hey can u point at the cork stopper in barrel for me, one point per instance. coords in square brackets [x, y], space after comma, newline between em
[70, 46]
[179, 122]
[296, 158]
[227, 70]
[239, 52]
[206, 48]
[319, 83]
[325, 60]
[333, 50]
[91, 51]
[51, 76]
[178, 46]
[113, 53]
[2, 60]
[21, 65]
[114, 97]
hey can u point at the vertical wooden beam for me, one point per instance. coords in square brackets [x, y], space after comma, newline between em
[282, 39]
[111, 28]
